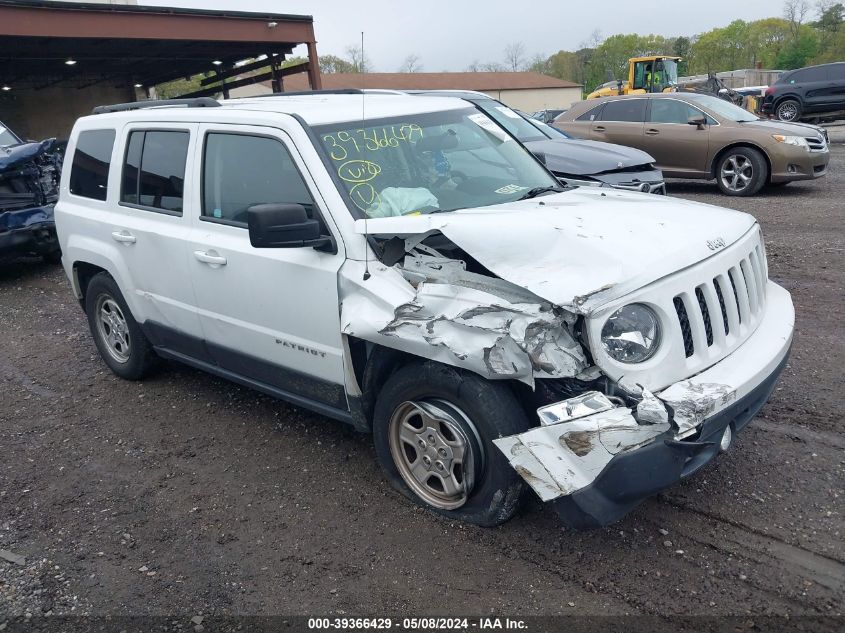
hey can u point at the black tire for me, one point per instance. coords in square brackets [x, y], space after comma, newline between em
[492, 489]
[741, 171]
[102, 292]
[788, 110]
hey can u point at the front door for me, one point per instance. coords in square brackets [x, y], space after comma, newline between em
[676, 145]
[267, 314]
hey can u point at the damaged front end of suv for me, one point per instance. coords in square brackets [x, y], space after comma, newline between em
[29, 188]
[637, 376]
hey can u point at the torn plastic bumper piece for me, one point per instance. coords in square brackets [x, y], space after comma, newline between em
[632, 474]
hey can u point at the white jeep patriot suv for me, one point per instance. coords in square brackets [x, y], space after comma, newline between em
[403, 264]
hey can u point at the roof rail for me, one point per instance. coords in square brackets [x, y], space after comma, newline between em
[338, 91]
[196, 102]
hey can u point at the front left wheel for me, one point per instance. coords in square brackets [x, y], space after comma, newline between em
[741, 171]
[434, 428]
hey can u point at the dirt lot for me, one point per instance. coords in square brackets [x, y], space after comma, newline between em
[188, 495]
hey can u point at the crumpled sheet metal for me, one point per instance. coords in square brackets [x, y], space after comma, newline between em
[13, 220]
[560, 459]
[463, 327]
[692, 402]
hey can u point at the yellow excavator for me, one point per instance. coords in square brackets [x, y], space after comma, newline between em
[654, 73]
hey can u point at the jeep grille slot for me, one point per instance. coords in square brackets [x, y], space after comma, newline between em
[683, 321]
[722, 306]
[731, 275]
[705, 315]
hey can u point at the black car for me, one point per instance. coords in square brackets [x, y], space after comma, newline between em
[815, 92]
[576, 161]
[547, 116]
[29, 188]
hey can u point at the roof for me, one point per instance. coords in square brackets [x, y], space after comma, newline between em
[481, 81]
[127, 44]
[315, 109]
[135, 8]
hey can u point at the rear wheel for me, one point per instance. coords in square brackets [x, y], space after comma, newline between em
[788, 110]
[118, 338]
[434, 428]
[741, 171]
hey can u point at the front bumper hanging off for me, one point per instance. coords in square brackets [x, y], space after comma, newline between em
[597, 468]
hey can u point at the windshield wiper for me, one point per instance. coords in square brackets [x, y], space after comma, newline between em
[538, 191]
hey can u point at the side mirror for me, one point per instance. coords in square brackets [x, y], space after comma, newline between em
[277, 225]
[698, 121]
[541, 156]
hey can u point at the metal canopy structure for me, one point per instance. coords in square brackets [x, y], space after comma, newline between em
[84, 44]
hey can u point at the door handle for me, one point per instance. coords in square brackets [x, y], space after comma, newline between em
[652, 132]
[599, 128]
[124, 237]
[210, 257]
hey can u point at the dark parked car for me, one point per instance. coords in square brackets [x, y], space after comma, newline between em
[577, 161]
[547, 116]
[815, 92]
[29, 188]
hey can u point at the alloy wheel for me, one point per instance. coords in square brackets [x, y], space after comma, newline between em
[737, 172]
[788, 111]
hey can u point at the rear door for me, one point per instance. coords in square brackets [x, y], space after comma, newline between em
[836, 80]
[621, 121]
[268, 314]
[140, 226]
[676, 145]
[814, 84]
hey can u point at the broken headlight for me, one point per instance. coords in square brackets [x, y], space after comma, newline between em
[631, 334]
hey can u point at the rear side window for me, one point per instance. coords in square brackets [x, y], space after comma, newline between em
[836, 72]
[630, 110]
[805, 75]
[240, 171]
[154, 169]
[89, 173]
[590, 115]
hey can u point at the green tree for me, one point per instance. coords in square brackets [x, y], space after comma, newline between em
[334, 64]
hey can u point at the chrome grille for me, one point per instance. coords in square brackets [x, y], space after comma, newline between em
[713, 314]
[817, 143]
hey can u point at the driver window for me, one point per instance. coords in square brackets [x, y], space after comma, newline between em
[240, 171]
[672, 111]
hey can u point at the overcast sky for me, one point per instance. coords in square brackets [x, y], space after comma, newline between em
[451, 34]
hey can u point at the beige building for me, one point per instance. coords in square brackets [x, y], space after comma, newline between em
[527, 91]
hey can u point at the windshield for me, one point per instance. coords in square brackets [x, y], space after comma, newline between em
[510, 120]
[723, 108]
[548, 130]
[426, 163]
[667, 72]
[6, 136]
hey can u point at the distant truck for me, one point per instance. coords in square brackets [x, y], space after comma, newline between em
[653, 73]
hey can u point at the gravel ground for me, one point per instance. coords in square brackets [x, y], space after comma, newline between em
[186, 495]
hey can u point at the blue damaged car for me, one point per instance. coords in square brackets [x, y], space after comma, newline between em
[29, 188]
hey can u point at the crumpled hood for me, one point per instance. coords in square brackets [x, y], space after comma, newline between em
[13, 156]
[582, 248]
[582, 158]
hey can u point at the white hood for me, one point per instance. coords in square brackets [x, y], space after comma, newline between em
[579, 249]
